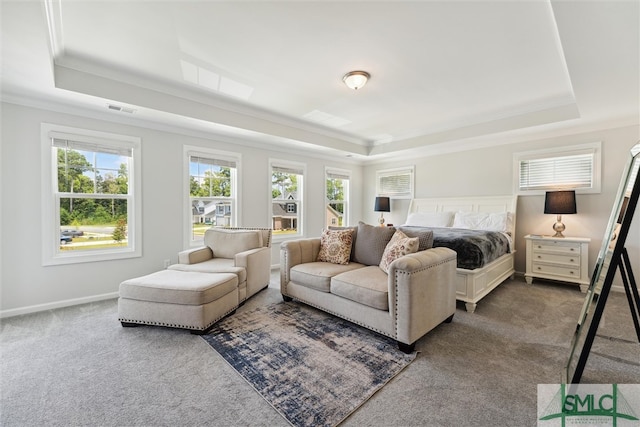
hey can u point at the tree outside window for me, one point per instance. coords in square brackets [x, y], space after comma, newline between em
[93, 195]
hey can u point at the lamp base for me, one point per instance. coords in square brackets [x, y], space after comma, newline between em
[558, 227]
[381, 220]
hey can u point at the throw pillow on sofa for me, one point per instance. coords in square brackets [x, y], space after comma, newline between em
[354, 232]
[398, 246]
[424, 235]
[371, 243]
[335, 246]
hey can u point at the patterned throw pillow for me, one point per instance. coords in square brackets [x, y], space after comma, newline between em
[335, 246]
[398, 246]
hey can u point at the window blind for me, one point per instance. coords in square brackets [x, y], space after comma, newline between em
[337, 175]
[213, 161]
[287, 169]
[91, 143]
[574, 171]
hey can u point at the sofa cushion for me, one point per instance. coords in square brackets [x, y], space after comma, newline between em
[317, 275]
[424, 235]
[335, 246]
[354, 236]
[368, 286]
[215, 265]
[398, 246]
[227, 243]
[371, 243]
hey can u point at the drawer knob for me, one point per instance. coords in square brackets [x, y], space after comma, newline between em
[539, 256]
[539, 268]
[572, 260]
[572, 249]
[571, 272]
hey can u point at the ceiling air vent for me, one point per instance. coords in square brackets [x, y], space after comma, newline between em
[120, 108]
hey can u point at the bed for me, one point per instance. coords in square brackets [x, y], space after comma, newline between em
[492, 214]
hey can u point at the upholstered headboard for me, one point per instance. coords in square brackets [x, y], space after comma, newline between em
[485, 204]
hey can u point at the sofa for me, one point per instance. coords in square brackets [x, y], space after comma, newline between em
[245, 252]
[354, 273]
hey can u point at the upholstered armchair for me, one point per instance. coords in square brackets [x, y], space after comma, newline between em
[245, 252]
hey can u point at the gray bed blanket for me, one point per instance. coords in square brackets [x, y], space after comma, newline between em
[475, 248]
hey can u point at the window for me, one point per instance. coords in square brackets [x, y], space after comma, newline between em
[212, 189]
[395, 183]
[90, 197]
[287, 186]
[573, 168]
[337, 196]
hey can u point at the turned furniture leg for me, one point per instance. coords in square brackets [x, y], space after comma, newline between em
[471, 306]
[449, 319]
[286, 298]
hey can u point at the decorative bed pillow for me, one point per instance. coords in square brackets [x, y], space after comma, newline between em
[398, 246]
[335, 246]
[430, 219]
[488, 221]
[227, 243]
[371, 243]
[354, 231]
[424, 235]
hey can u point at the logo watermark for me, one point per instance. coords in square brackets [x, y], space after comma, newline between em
[563, 405]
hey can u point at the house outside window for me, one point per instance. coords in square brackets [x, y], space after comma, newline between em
[287, 190]
[90, 195]
[564, 168]
[212, 191]
[337, 197]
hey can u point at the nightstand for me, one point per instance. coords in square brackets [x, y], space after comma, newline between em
[565, 259]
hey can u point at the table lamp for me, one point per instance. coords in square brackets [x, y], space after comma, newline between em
[382, 205]
[560, 203]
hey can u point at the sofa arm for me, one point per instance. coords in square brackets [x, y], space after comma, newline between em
[422, 291]
[195, 255]
[257, 263]
[294, 252]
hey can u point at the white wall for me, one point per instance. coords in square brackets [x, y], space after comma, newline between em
[28, 286]
[489, 171]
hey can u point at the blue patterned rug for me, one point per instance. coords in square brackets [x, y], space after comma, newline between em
[313, 368]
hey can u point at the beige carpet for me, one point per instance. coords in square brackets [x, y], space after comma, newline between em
[78, 366]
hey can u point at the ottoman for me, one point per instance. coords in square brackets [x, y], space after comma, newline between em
[178, 299]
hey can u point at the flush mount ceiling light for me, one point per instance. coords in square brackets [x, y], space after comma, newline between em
[355, 79]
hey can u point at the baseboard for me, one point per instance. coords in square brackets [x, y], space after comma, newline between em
[53, 305]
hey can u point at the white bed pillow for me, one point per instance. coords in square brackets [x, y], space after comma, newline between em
[430, 219]
[488, 221]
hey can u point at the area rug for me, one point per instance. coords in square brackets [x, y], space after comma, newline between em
[313, 368]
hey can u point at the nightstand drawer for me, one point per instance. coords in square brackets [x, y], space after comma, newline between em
[556, 270]
[567, 260]
[557, 247]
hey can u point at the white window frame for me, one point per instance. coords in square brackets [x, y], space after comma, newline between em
[191, 150]
[301, 200]
[346, 175]
[51, 254]
[401, 193]
[594, 149]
